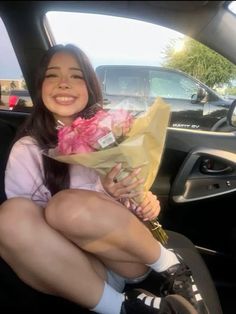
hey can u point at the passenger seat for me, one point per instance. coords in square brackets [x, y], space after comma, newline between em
[7, 133]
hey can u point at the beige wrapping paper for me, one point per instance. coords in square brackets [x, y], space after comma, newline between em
[143, 148]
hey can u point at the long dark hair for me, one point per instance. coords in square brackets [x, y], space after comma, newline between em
[41, 124]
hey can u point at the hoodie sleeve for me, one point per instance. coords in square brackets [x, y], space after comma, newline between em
[24, 175]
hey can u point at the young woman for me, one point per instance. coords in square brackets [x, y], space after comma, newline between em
[62, 229]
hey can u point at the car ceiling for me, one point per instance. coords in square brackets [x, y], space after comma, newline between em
[207, 21]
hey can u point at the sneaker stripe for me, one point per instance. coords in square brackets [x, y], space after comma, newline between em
[194, 287]
[198, 297]
[148, 300]
[153, 302]
[156, 303]
[142, 296]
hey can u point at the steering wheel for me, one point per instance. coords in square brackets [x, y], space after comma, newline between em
[222, 126]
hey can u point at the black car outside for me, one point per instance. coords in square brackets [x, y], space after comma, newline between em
[193, 104]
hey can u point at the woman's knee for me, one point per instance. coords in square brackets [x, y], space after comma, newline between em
[18, 218]
[71, 208]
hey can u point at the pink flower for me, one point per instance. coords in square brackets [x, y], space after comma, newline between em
[65, 140]
[92, 131]
[81, 146]
[70, 141]
[84, 134]
[121, 121]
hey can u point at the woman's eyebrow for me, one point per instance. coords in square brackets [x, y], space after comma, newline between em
[57, 68]
[53, 68]
[77, 69]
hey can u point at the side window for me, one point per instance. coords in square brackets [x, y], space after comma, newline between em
[14, 94]
[123, 82]
[168, 84]
[154, 57]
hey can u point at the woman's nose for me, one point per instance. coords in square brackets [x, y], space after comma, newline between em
[64, 83]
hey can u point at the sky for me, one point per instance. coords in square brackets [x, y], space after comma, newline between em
[114, 40]
[9, 66]
[105, 39]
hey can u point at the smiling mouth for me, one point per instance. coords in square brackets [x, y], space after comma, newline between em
[64, 100]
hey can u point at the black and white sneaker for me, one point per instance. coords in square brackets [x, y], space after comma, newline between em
[178, 279]
[139, 301]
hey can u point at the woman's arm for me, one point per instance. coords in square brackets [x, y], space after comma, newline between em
[24, 172]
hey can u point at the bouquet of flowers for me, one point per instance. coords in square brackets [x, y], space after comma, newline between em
[100, 139]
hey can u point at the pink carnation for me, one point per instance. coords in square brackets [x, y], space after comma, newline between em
[122, 119]
[65, 140]
[83, 135]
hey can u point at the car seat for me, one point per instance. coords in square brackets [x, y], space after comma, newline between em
[7, 132]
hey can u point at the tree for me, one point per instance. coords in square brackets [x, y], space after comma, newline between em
[23, 84]
[13, 85]
[200, 62]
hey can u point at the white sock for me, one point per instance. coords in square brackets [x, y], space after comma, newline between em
[166, 260]
[110, 302]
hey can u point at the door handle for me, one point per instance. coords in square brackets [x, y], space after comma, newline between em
[206, 170]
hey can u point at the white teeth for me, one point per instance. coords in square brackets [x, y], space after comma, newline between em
[64, 98]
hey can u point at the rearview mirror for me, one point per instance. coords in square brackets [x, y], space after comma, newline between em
[231, 117]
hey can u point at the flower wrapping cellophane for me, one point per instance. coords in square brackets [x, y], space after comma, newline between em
[142, 147]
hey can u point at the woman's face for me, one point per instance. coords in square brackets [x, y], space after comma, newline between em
[64, 91]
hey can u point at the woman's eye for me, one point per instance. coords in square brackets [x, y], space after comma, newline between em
[77, 76]
[50, 75]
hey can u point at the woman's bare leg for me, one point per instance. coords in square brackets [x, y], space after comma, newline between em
[96, 223]
[46, 260]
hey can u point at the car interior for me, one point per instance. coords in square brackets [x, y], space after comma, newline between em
[196, 182]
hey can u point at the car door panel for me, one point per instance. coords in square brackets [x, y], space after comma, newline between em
[180, 143]
[201, 177]
[193, 198]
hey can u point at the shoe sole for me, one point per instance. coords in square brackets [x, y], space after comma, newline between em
[178, 305]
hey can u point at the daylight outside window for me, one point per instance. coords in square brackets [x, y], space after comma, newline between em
[232, 6]
[157, 63]
[14, 94]
[134, 70]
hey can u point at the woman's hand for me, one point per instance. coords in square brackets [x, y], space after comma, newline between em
[149, 209]
[124, 188]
